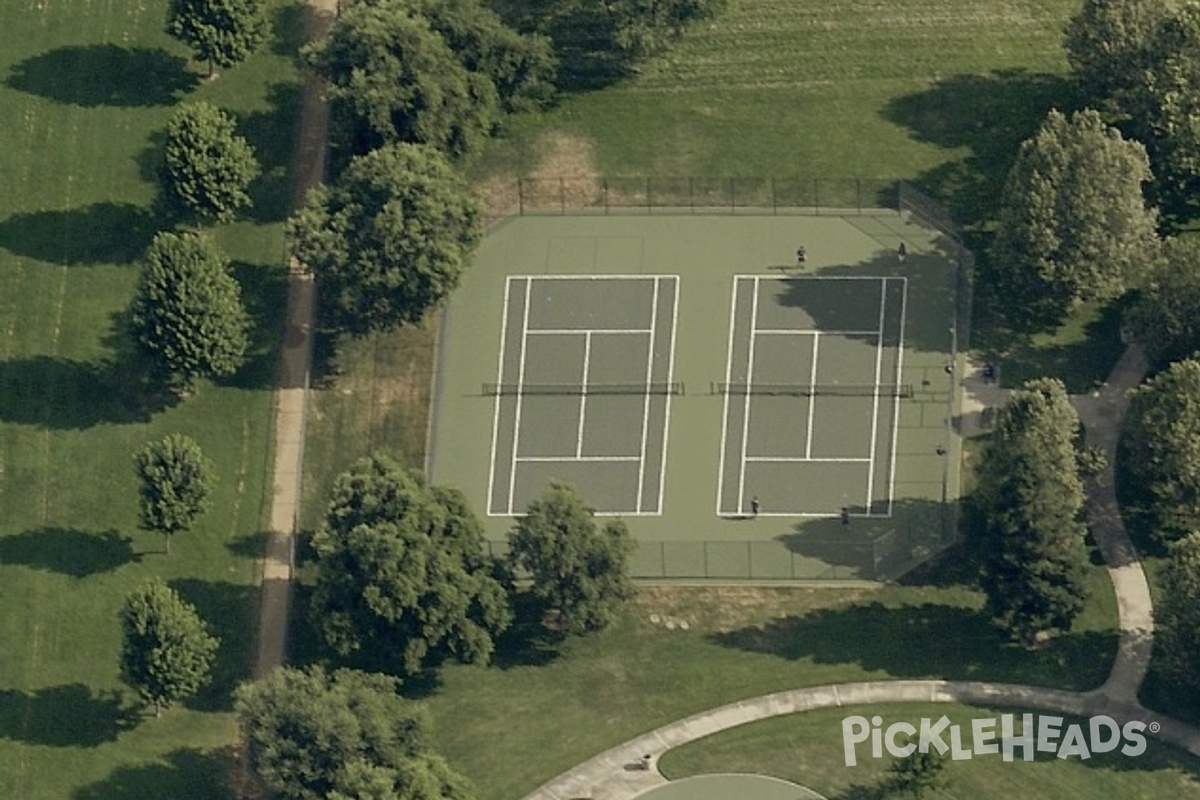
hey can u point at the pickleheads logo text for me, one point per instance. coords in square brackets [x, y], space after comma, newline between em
[1037, 733]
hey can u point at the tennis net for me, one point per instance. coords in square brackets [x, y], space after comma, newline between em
[493, 389]
[809, 390]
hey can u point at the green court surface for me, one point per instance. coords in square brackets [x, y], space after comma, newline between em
[749, 416]
[725, 787]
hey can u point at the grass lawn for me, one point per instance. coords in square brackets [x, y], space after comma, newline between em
[85, 90]
[543, 709]
[807, 748]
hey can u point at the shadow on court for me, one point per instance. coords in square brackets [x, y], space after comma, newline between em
[876, 548]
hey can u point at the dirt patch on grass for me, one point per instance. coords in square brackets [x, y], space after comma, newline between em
[727, 608]
[563, 178]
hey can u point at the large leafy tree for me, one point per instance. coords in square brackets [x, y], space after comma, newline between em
[346, 735]
[1165, 318]
[1031, 496]
[1177, 617]
[167, 653]
[578, 571]
[521, 66]
[648, 27]
[1073, 223]
[400, 568]
[389, 240]
[209, 168]
[1161, 443]
[1108, 45]
[174, 483]
[392, 78]
[187, 315]
[220, 32]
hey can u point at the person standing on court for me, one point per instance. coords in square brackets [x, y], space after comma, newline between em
[755, 505]
[902, 253]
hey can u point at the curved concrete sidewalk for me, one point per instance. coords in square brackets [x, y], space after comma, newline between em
[614, 774]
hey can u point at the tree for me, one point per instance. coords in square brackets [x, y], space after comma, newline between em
[221, 32]
[167, 653]
[348, 735]
[1031, 497]
[175, 483]
[1161, 443]
[578, 572]
[918, 774]
[1177, 613]
[1108, 45]
[648, 27]
[1165, 318]
[208, 166]
[389, 240]
[393, 79]
[400, 567]
[187, 315]
[1073, 223]
[522, 67]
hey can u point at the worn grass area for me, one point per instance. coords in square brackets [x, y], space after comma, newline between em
[545, 707]
[85, 90]
[808, 749]
[373, 394]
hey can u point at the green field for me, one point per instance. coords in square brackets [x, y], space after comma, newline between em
[85, 91]
[808, 749]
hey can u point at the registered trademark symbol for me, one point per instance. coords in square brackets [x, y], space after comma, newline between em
[1155, 727]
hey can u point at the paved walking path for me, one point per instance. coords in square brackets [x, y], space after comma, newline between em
[290, 398]
[616, 774]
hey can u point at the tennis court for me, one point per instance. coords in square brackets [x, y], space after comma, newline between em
[672, 369]
[812, 395]
[583, 390]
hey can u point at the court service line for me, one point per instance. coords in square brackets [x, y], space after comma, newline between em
[646, 400]
[728, 379]
[583, 396]
[578, 331]
[570, 459]
[496, 408]
[662, 471]
[875, 402]
[746, 407]
[512, 473]
[803, 459]
[596, 277]
[812, 401]
[896, 402]
[807, 331]
[818, 514]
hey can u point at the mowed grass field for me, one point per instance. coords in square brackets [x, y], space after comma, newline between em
[86, 88]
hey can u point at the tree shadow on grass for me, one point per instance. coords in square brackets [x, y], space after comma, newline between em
[527, 642]
[928, 641]
[71, 715]
[264, 293]
[61, 394]
[182, 775]
[230, 610]
[990, 115]
[68, 551]
[102, 233]
[104, 75]
[272, 134]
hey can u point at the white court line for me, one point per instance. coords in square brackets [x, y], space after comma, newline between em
[577, 331]
[728, 378]
[896, 402]
[662, 472]
[596, 277]
[805, 331]
[812, 401]
[875, 402]
[746, 408]
[815, 514]
[512, 473]
[804, 459]
[571, 459]
[496, 408]
[646, 400]
[583, 396]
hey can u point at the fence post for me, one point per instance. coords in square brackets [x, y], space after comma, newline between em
[562, 195]
[604, 183]
[520, 197]
[817, 196]
[692, 193]
[704, 549]
[774, 200]
[749, 560]
[858, 195]
[649, 201]
[732, 197]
